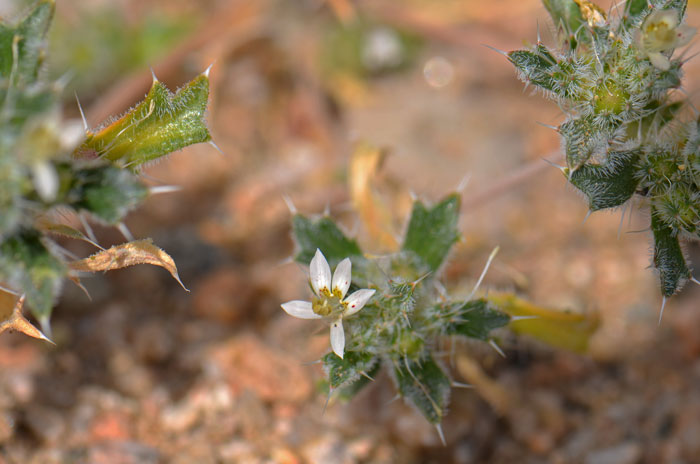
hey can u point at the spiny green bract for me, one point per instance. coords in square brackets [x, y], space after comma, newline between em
[402, 323]
[623, 135]
[38, 173]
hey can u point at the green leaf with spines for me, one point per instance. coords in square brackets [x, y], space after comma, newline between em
[425, 384]
[348, 391]
[607, 185]
[30, 35]
[107, 192]
[668, 257]
[582, 139]
[473, 319]
[27, 264]
[433, 230]
[536, 67]
[351, 367]
[162, 123]
[323, 234]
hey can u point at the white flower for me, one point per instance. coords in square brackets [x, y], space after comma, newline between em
[330, 302]
[662, 32]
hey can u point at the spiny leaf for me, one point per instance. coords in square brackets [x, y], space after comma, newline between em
[348, 369]
[607, 185]
[424, 383]
[324, 234]
[11, 317]
[536, 67]
[432, 231]
[160, 124]
[349, 390]
[562, 329]
[473, 319]
[128, 254]
[28, 39]
[668, 257]
[107, 192]
[26, 263]
[583, 139]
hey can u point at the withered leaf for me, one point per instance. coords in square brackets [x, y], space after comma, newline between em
[11, 317]
[128, 254]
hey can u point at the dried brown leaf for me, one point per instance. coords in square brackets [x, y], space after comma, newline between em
[11, 317]
[376, 216]
[128, 254]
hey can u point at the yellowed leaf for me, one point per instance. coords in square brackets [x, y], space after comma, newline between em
[365, 162]
[11, 317]
[571, 331]
[128, 254]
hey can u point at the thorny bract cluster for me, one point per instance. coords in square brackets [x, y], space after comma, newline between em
[626, 133]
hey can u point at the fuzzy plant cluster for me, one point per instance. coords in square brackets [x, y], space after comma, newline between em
[626, 132]
[43, 170]
[390, 310]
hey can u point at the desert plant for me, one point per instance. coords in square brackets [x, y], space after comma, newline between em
[626, 132]
[43, 170]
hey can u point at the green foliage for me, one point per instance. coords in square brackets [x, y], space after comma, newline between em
[624, 135]
[38, 172]
[432, 231]
[473, 319]
[162, 123]
[424, 384]
[27, 263]
[22, 46]
[668, 257]
[610, 184]
[402, 323]
[322, 234]
[342, 372]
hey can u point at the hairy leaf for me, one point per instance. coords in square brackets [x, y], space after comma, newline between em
[668, 257]
[607, 185]
[107, 192]
[349, 390]
[537, 67]
[160, 124]
[351, 367]
[324, 234]
[473, 319]
[127, 254]
[425, 384]
[26, 263]
[432, 231]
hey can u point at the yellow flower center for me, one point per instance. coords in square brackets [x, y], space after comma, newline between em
[328, 304]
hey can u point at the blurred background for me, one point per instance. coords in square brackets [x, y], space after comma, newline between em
[147, 373]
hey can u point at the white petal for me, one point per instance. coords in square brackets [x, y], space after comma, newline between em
[320, 273]
[342, 277]
[659, 60]
[338, 338]
[300, 309]
[684, 34]
[357, 300]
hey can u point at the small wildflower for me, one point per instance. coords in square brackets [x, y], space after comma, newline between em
[329, 301]
[662, 32]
